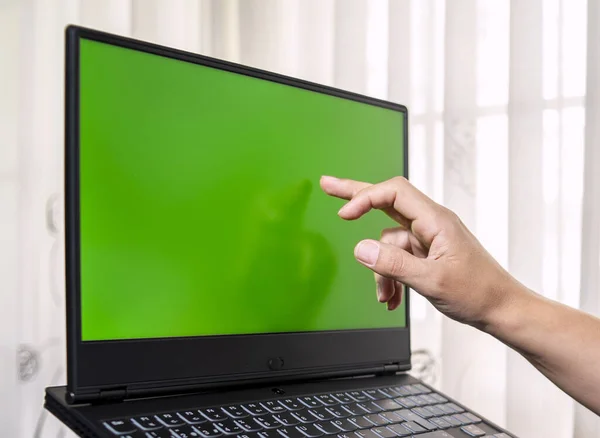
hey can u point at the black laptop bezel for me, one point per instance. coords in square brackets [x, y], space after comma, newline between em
[169, 364]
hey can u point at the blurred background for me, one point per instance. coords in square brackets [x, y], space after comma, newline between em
[504, 100]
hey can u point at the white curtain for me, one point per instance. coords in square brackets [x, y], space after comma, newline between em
[505, 110]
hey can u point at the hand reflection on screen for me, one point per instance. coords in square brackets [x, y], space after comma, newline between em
[289, 268]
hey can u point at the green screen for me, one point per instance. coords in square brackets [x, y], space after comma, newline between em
[201, 212]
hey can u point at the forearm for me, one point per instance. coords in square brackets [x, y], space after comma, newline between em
[561, 342]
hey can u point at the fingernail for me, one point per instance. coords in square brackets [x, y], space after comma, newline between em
[367, 252]
[379, 293]
[332, 178]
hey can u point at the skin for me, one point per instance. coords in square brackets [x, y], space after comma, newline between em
[433, 253]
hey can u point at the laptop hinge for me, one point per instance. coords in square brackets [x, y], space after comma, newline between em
[390, 369]
[113, 394]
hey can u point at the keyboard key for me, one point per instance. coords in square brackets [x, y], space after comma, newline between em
[392, 417]
[291, 404]
[413, 427]
[440, 422]
[119, 427]
[342, 398]
[360, 422]
[418, 400]
[358, 396]
[412, 389]
[412, 417]
[228, 427]
[402, 390]
[426, 424]
[455, 407]
[213, 414]
[369, 407]
[254, 409]
[267, 423]
[170, 420]
[446, 408]
[423, 412]
[321, 414]
[389, 392]
[472, 430]
[439, 398]
[310, 402]
[384, 432]
[248, 425]
[286, 419]
[304, 416]
[474, 418]
[161, 433]
[310, 430]
[436, 411]
[186, 431]
[366, 434]
[501, 435]
[377, 420]
[147, 423]
[374, 394]
[422, 388]
[136, 434]
[291, 432]
[388, 405]
[354, 409]
[265, 434]
[327, 427]
[346, 435]
[436, 434]
[399, 430]
[327, 400]
[453, 421]
[338, 412]
[344, 425]
[463, 420]
[235, 411]
[428, 398]
[407, 402]
[192, 417]
[273, 407]
[208, 430]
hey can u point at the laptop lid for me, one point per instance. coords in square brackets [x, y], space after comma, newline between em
[199, 248]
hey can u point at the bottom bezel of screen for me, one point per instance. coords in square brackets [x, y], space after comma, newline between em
[145, 363]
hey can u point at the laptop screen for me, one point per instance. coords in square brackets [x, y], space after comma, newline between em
[200, 207]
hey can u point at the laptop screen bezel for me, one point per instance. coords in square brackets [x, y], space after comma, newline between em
[170, 363]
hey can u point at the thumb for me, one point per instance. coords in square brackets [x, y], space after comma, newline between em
[394, 262]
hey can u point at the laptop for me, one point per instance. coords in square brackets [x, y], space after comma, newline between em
[211, 288]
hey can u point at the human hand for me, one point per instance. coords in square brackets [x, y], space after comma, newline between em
[431, 251]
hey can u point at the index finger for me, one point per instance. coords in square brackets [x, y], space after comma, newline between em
[348, 189]
[396, 193]
[342, 188]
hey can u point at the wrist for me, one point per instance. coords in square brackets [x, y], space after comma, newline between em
[512, 306]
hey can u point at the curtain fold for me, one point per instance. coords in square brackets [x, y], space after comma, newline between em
[587, 424]
[496, 133]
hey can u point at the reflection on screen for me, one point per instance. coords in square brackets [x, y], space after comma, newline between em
[201, 212]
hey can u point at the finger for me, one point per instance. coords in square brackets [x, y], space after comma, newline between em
[347, 189]
[385, 288]
[396, 300]
[394, 236]
[396, 193]
[396, 263]
[342, 188]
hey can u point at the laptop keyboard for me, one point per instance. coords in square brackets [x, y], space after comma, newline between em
[399, 411]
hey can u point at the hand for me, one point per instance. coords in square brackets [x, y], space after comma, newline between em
[430, 251]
